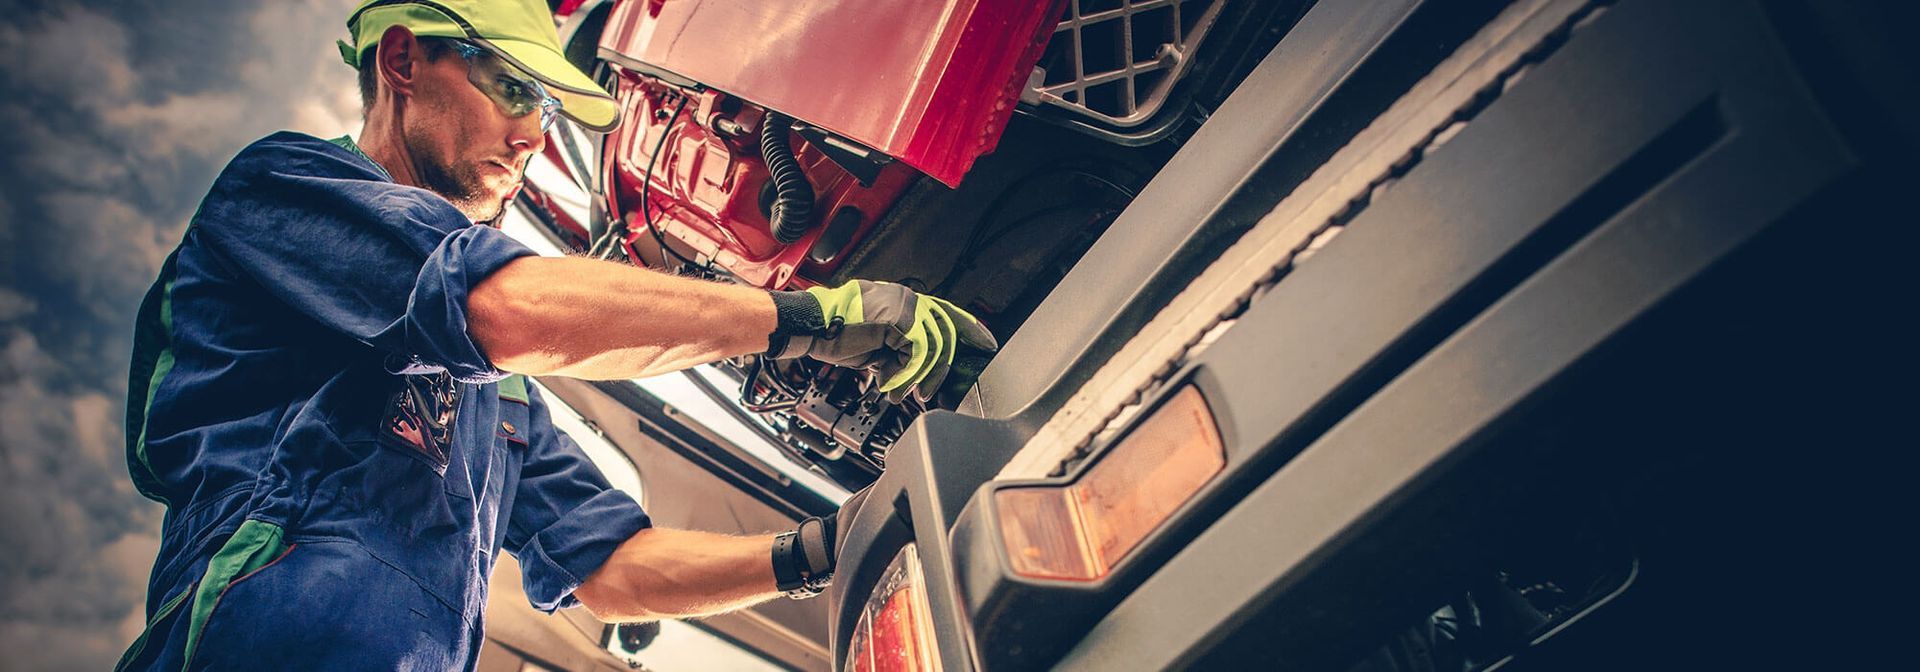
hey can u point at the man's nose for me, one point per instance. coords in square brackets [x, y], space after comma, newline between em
[525, 137]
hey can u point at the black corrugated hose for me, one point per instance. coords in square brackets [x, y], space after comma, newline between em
[793, 195]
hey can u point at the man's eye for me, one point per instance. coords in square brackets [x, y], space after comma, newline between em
[515, 90]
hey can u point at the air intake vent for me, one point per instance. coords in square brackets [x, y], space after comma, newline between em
[1114, 61]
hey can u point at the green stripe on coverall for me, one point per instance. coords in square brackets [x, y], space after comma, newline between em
[514, 388]
[256, 544]
[152, 359]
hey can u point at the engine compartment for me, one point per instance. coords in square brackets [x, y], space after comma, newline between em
[684, 185]
[995, 246]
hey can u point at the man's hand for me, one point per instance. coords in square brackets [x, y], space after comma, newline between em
[804, 559]
[909, 339]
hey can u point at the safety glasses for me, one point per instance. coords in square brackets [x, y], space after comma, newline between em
[516, 93]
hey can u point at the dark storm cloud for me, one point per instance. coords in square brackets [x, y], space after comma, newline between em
[115, 117]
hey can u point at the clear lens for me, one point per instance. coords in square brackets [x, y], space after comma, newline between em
[512, 90]
[1082, 530]
[895, 630]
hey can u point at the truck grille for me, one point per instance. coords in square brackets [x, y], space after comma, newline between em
[1114, 61]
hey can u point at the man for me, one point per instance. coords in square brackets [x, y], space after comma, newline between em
[325, 388]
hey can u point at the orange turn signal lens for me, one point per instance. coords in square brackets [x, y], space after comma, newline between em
[1080, 531]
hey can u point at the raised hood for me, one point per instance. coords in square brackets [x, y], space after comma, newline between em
[929, 83]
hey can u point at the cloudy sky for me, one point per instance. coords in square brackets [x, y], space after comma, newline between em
[115, 117]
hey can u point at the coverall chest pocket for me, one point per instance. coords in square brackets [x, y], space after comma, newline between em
[420, 418]
[478, 472]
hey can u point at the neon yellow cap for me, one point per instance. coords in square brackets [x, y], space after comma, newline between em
[520, 31]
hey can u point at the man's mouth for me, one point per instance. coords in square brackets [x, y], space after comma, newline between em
[503, 168]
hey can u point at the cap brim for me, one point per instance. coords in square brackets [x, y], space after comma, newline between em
[580, 98]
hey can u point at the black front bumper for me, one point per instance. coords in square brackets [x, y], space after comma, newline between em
[1612, 291]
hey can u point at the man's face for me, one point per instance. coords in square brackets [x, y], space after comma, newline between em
[463, 146]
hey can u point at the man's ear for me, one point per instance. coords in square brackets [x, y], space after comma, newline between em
[398, 46]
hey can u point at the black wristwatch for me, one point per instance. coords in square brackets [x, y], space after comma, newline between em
[803, 559]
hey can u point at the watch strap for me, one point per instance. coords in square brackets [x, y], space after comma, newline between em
[786, 573]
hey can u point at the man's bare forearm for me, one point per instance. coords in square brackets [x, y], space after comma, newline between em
[660, 573]
[601, 320]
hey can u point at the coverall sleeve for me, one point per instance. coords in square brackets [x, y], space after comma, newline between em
[565, 519]
[386, 264]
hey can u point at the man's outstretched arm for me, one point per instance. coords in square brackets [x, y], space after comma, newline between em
[600, 320]
[660, 573]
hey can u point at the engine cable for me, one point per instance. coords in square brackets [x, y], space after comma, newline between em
[646, 186]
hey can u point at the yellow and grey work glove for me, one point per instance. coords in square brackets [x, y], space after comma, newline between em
[804, 559]
[907, 338]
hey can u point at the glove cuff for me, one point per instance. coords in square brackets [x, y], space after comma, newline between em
[803, 559]
[816, 547]
[795, 314]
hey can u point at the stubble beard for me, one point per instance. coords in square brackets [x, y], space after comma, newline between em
[461, 185]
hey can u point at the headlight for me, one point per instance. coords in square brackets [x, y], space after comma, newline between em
[895, 633]
[1081, 530]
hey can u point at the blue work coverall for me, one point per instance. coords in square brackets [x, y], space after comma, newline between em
[339, 460]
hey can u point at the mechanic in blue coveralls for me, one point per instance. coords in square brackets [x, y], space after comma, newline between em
[328, 389]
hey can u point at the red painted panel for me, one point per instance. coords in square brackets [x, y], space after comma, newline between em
[930, 83]
[705, 189]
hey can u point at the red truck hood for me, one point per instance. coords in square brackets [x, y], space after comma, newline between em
[929, 83]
